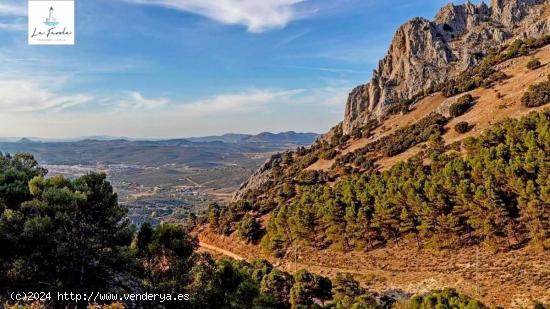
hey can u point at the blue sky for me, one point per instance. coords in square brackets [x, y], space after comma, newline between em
[177, 68]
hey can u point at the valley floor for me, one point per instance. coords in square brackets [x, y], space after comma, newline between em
[509, 279]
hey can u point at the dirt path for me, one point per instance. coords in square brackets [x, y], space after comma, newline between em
[290, 266]
[508, 279]
[214, 249]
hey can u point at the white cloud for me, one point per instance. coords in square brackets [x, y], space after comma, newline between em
[25, 87]
[25, 96]
[138, 101]
[18, 8]
[250, 101]
[136, 115]
[13, 26]
[256, 15]
[12, 14]
[245, 101]
[240, 102]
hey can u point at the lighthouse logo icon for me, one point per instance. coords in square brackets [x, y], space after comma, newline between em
[51, 20]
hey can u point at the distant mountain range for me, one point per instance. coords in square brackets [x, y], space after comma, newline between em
[69, 139]
[282, 138]
[290, 137]
[212, 151]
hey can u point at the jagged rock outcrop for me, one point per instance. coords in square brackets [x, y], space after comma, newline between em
[259, 179]
[425, 53]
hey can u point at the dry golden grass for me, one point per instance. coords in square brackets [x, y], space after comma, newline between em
[490, 109]
[509, 279]
[419, 111]
[492, 105]
[355, 145]
[321, 165]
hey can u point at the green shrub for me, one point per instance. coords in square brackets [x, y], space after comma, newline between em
[308, 160]
[538, 305]
[456, 146]
[465, 99]
[533, 64]
[407, 137]
[461, 106]
[516, 49]
[462, 127]
[484, 74]
[344, 139]
[329, 154]
[496, 76]
[447, 298]
[249, 228]
[308, 177]
[537, 95]
[400, 108]
[367, 209]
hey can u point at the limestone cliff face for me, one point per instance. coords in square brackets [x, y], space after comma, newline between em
[259, 179]
[425, 53]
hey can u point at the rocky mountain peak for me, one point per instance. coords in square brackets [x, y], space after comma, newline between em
[426, 53]
[509, 12]
[456, 19]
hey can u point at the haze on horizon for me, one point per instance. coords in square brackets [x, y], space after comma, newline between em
[174, 68]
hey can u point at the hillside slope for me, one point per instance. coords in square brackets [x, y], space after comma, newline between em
[508, 279]
[501, 101]
[470, 265]
[450, 187]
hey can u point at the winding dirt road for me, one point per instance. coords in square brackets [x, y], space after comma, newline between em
[214, 249]
[510, 279]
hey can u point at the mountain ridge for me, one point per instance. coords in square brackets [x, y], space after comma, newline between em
[193, 152]
[424, 54]
[449, 172]
[288, 137]
[291, 137]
